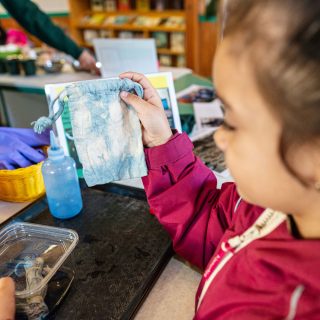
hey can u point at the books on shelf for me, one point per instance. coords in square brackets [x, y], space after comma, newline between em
[89, 35]
[143, 5]
[117, 20]
[85, 19]
[106, 34]
[161, 39]
[138, 35]
[176, 4]
[124, 5]
[175, 21]
[99, 19]
[165, 60]
[122, 20]
[96, 5]
[147, 21]
[96, 19]
[181, 61]
[177, 41]
[130, 35]
[125, 35]
[171, 42]
[140, 5]
[159, 5]
[109, 20]
[110, 5]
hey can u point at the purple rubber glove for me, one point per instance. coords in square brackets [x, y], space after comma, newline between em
[28, 136]
[17, 147]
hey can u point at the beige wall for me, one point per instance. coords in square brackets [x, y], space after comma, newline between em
[48, 6]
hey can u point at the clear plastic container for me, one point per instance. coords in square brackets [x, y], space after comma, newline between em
[35, 256]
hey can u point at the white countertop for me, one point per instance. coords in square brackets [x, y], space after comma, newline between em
[40, 80]
[68, 75]
[9, 209]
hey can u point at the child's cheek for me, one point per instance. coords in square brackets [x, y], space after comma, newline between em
[240, 162]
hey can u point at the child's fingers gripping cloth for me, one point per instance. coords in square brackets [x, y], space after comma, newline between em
[107, 133]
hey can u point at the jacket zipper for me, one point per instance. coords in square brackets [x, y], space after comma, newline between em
[268, 221]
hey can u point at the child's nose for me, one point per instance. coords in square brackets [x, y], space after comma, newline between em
[221, 138]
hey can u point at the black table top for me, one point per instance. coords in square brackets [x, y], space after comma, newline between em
[121, 252]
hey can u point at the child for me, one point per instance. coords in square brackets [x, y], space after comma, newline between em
[258, 263]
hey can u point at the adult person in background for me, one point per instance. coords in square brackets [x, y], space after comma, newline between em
[7, 299]
[39, 24]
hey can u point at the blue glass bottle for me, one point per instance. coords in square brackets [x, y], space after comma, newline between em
[61, 182]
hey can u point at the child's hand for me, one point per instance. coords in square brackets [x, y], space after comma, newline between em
[155, 125]
[7, 299]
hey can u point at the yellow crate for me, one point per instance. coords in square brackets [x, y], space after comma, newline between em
[23, 184]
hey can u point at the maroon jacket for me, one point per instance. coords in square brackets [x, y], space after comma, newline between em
[274, 277]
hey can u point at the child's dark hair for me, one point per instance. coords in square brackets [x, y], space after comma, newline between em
[282, 38]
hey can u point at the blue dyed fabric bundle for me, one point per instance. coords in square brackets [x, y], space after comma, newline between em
[107, 132]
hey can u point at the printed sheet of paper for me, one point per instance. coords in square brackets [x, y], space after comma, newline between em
[163, 82]
[208, 114]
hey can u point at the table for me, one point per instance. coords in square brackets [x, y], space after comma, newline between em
[121, 252]
[173, 295]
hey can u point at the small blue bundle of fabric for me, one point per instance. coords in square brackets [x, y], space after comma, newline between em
[107, 132]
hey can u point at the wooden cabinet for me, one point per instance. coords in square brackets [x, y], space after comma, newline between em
[181, 48]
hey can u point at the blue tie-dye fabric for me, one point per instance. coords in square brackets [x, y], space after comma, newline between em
[107, 132]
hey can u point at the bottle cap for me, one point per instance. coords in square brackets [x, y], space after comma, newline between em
[55, 152]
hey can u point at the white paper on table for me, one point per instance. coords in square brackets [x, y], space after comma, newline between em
[206, 113]
[120, 55]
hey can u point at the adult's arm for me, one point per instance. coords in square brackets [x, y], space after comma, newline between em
[39, 24]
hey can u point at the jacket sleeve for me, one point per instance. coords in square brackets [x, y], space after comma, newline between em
[182, 193]
[38, 23]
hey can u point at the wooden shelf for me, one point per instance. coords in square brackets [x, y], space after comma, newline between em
[154, 13]
[86, 45]
[81, 9]
[131, 27]
[170, 52]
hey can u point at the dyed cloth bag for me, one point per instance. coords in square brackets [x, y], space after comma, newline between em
[106, 132]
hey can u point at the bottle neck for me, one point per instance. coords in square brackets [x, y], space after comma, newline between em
[56, 155]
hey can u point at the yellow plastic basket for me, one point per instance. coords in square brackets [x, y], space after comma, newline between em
[20, 185]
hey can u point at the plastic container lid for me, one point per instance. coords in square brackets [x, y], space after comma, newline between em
[22, 245]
